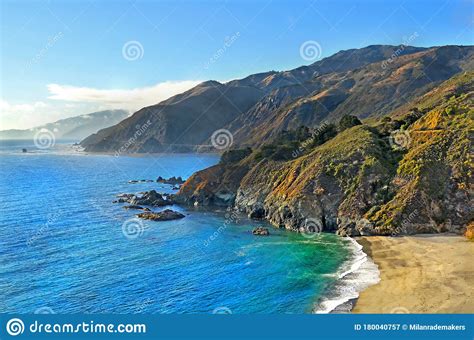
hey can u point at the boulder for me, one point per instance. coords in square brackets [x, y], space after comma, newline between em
[165, 215]
[260, 231]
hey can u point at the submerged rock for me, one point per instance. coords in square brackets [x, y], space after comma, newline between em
[165, 215]
[133, 181]
[137, 207]
[260, 231]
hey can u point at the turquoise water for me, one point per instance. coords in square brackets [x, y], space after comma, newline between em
[63, 249]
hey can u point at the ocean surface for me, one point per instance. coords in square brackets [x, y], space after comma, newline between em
[66, 248]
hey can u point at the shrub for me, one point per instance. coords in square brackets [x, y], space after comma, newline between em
[234, 156]
[348, 121]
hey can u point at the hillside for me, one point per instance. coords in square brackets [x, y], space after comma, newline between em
[180, 123]
[366, 82]
[369, 91]
[75, 128]
[407, 172]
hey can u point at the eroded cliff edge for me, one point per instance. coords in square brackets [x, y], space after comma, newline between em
[409, 172]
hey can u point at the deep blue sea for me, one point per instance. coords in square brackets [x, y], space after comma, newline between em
[63, 248]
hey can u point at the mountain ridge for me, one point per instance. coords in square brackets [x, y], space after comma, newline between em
[74, 128]
[367, 82]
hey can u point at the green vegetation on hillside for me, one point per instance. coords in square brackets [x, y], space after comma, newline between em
[404, 173]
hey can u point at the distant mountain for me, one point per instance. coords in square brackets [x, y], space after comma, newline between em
[367, 82]
[77, 127]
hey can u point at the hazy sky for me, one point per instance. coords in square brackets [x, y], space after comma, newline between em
[64, 58]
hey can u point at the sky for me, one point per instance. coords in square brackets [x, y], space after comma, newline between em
[65, 58]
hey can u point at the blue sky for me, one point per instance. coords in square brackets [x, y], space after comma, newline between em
[63, 58]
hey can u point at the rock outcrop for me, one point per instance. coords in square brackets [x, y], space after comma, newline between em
[150, 198]
[406, 173]
[165, 215]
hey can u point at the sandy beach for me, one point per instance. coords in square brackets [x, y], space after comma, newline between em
[420, 274]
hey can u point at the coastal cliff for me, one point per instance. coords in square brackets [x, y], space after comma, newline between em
[408, 172]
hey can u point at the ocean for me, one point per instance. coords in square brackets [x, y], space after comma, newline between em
[66, 248]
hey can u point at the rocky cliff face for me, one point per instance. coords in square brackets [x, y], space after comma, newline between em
[404, 174]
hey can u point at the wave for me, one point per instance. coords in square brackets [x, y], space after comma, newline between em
[356, 274]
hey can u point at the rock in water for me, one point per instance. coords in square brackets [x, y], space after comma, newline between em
[165, 215]
[260, 231]
[136, 207]
[172, 180]
[151, 198]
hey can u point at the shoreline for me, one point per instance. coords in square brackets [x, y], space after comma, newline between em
[428, 273]
[356, 274]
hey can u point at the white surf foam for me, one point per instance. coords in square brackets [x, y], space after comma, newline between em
[357, 274]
